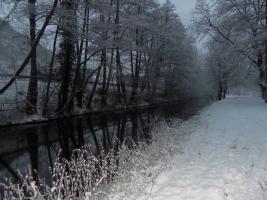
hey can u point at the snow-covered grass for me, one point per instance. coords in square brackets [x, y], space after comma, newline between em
[119, 174]
[222, 158]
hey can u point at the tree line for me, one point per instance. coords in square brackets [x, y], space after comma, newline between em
[237, 39]
[103, 52]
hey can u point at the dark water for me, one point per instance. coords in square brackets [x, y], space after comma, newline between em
[36, 147]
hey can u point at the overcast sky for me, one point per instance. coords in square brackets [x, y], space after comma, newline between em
[184, 9]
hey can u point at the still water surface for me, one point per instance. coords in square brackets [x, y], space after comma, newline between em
[36, 147]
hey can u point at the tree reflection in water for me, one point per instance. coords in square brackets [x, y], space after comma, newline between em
[35, 148]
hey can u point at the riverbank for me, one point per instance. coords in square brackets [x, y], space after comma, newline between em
[138, 138]
[13, 120]
[220, 155]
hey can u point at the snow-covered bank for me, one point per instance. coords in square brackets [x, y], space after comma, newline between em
[219, 154]
[222, 155]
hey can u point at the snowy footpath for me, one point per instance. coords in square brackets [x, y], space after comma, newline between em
[223, 157]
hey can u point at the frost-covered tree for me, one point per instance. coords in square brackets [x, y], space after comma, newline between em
[108, 52]
[225, 65]
[240, 24]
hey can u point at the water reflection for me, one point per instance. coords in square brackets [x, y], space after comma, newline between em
[35, 148]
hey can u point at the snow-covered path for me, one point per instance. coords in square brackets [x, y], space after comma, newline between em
[223, 158]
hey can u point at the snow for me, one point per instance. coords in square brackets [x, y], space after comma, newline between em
[222, 155]
[219, 154]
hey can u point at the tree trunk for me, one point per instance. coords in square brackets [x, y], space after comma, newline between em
[94, 89]
[32, 94]
[110, 71]
[67, 53]
[50, 73]
[86, 46]
[264, 89]
[66, 72]
[220, 91]
[77, 83]
[135, 81]
[104, 78]
[261, 73]
[120, 81]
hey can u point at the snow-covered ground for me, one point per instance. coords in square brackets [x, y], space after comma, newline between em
[221, 155]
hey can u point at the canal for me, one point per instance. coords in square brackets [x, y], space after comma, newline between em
[36, 147]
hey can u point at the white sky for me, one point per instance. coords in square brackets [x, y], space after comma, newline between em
[184, 9]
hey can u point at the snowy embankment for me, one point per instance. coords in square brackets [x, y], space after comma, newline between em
[222, 155]
[219, 154]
